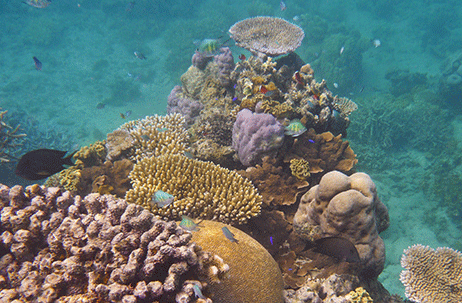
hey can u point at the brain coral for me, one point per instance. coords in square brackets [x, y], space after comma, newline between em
[432, 275]
[347, 207]
[201, 189]
[253, 275]
[57, 248]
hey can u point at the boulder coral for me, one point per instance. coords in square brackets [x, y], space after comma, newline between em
[347, 207]
[253, 275]
[59, 248]
[201, 189]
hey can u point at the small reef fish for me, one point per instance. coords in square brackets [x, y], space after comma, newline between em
[229, 235]
[128, 113]
[42, 163]
[162, 129]
[198, 292]
[298, 78]
[282, 5]
[139, 55]
[122, 115]
[100, 105]
[338, 248]
[295, 128]
[242, 57]
[38, 64]
[162, 199]
[342, 50]
[376, 42]
[188, 224]
[38, 3]
[265, 91]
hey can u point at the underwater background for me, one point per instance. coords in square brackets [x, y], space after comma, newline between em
[398, 60]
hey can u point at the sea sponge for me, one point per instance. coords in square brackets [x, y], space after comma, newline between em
[201, 189]
[347, 207]
[432, 275]
[157, 135]
[253, 274]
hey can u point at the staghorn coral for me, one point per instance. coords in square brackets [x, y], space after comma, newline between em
[256, 135]
[10, 139]
[432, 275]
[157, 135]
[57, 248]
[201, 189]
[260, 282]
[347, 207]
[324, 152]
[268, 35]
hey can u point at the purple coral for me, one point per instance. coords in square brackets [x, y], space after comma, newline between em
[255, 135]
[54, 246]
[200, 60]
[225, 62]
[179, 103]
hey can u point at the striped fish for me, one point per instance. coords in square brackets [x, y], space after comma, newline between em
[162, 199]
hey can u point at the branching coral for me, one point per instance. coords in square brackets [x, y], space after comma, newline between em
[432, 275]
[10, 139]
[201, 189]
[98, 249]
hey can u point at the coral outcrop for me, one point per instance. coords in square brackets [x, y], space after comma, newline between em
[178, 102]
[201, 189]
[97, 248]
[253, 274]
[432, 275]
[346, 207]
[256, 135]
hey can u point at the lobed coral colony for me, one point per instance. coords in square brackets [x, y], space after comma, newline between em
[258, 144]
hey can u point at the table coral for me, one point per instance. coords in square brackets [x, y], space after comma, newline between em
[201, 189]
[432, 275]
[253, 274]
[256, 135]
[98, 248]
[347, 207]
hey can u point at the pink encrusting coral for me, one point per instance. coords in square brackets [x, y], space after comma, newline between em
[97, 249]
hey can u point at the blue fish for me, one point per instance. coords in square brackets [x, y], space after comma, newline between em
[198, 292]
[161, 198]
[229, 235]
[188, 224]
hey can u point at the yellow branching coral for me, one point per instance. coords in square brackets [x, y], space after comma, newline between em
[279, 110]
[201, 189]
[300, 169]
[157, 135]
[359, 295]
[432, 275]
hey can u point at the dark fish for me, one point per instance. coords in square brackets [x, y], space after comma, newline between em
[339, 248]
[42, 163]
[38, 64]
[229, 235]
[100, 105]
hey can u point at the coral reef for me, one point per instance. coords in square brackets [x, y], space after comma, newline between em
[225, 64]
[91, 155]
[347, 207]
[201, 189]
[98, 249]
[117, 143]
[267, 35]
[432, 275]
[10, 139]
[178, 102]
[256, 135]
[260, 282]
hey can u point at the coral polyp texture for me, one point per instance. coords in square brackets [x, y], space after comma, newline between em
[200, 189]
[432, 275]
[157, 135]
[256, 135]
[253, 274]
[268, 35]
[57, 248]
[348, 207]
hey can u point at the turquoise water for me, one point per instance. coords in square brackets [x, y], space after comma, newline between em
[390, 57]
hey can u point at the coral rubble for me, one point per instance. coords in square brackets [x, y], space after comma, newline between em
[98, 248]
